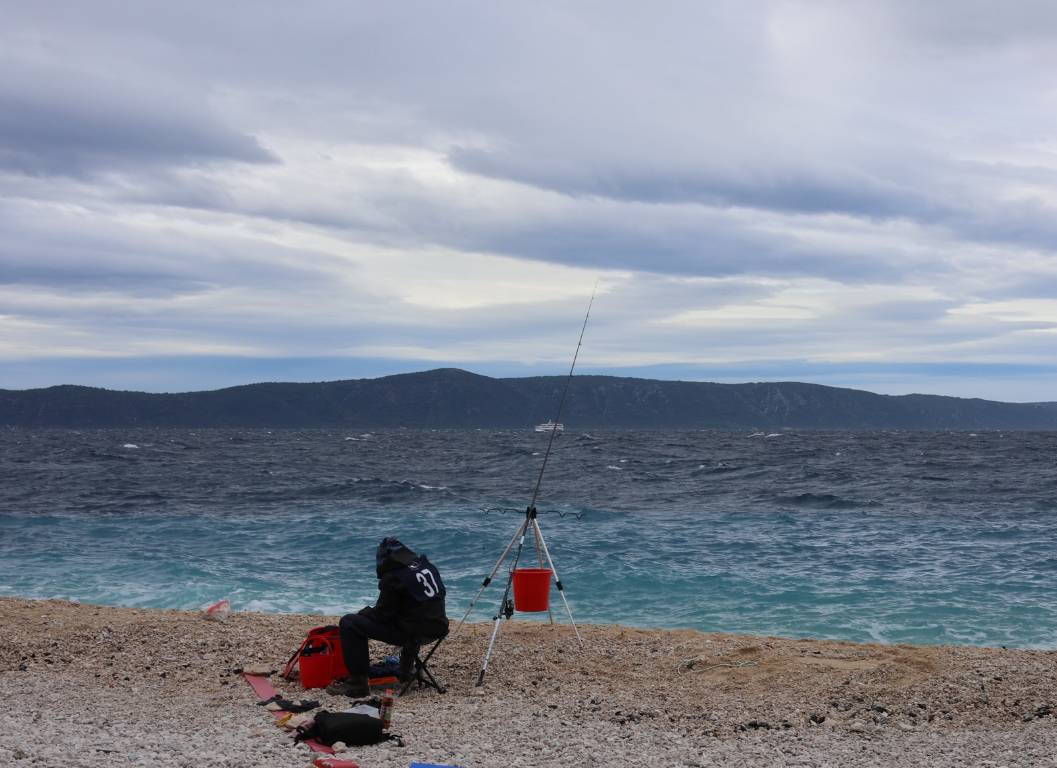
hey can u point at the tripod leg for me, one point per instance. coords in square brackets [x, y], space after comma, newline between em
[539, 556]
[488, 655]
[520, 532]
[558, 581]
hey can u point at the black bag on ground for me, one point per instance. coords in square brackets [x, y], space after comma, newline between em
[354, 728]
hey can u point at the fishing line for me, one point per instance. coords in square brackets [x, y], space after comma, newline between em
[561, 403]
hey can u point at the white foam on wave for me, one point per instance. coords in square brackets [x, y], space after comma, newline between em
[130, 445]
[613, 466]
[299, 605]
[876, 631]
[425, 487]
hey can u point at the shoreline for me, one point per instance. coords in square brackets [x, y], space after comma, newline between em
[91, 685]
[562, 619]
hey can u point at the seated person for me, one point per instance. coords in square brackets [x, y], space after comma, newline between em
[409, 610]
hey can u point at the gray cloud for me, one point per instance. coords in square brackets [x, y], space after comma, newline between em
[662, 245]
[88, 251]
[793, 191]
[64, 120]
[975, 24]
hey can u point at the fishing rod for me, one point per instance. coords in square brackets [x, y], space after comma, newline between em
[561, 402]
[506, 605]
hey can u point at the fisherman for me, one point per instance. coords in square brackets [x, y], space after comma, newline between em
[409, 611]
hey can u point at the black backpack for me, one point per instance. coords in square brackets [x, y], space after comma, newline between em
[353, 728]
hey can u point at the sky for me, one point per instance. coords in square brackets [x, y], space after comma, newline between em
[861, 194]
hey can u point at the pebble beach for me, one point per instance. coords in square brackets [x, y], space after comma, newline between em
[87, 685]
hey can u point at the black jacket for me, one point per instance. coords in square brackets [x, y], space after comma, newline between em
[410, 592]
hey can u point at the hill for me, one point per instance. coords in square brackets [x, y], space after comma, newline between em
[454, 398]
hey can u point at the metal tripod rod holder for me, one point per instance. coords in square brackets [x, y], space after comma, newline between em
[506, 605]
[488, 579]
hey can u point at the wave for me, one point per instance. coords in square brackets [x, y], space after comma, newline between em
[718, 469]
[825, 501]
[107, 456]
[372, 489]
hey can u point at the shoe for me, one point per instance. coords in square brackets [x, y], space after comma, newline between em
[352, 686]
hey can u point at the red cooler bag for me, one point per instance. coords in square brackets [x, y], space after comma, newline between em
[319, 657]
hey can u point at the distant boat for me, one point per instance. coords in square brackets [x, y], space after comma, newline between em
[550, 426]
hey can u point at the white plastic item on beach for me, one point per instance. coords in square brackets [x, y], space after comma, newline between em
[218, 611]
[364, 709]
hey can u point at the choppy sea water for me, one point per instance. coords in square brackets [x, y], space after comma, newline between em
[893, 537]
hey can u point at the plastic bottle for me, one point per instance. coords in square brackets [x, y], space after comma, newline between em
[385, 711]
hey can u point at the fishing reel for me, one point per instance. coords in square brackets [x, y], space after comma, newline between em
[506, 611]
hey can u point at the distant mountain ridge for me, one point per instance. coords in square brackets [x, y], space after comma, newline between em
[454, 398]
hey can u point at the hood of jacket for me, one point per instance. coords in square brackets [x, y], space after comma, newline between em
[392, 554]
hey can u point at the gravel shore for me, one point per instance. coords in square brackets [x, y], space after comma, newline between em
[97, 686]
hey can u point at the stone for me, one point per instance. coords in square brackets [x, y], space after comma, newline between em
[257, 669]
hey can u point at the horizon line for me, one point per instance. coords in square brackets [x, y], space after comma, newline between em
[533, 376]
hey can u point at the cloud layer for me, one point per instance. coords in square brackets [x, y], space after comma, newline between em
[855, 193]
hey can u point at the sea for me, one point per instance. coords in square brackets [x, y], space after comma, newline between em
[893, 537]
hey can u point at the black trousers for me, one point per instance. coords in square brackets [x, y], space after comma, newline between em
[356, 630]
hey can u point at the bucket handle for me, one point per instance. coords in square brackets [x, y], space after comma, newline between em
[306, 644]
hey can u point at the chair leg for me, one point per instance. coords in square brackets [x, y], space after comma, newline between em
[421, 669]
[432, 680]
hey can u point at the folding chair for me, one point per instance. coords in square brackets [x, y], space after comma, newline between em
[421, 673]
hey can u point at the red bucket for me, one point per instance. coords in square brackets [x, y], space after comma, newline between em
[321, 660]
[316, 670]
[532, 589]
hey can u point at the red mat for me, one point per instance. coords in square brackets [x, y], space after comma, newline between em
[263, 687]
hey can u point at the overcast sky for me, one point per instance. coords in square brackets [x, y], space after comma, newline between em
[202, 194]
